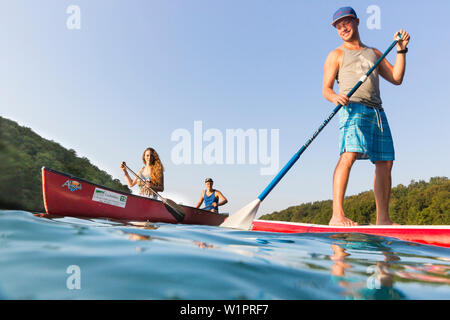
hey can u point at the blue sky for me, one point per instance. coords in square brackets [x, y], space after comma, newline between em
[136, 71]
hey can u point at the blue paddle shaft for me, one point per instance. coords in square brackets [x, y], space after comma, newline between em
[296, 156]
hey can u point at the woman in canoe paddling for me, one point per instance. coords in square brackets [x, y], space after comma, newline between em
[364, 129]
[211, 197]
[152, 173]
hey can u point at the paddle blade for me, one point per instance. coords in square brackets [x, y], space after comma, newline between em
[243, 219]
[176, 211]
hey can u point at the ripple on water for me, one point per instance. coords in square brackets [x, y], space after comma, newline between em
[164, 261]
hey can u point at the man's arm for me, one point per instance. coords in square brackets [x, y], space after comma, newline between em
[330, 72]
[394, 73]
[201, 200]
[222, 199]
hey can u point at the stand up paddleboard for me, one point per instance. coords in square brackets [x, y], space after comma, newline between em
[434, 235]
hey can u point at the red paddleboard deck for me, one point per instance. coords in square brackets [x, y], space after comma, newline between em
[434, 235]
[66, 195]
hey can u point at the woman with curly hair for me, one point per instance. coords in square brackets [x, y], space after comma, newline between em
[152, 173]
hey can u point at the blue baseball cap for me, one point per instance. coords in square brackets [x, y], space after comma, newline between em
[342, 13]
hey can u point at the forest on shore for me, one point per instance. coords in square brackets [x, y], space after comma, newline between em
[22, 155]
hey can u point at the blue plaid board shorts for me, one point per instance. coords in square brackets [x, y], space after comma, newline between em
[366, 131]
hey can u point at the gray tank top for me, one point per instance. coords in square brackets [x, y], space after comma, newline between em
[355, 63]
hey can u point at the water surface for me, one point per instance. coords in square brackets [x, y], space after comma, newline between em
[70, 258]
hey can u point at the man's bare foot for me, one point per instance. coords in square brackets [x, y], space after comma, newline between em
[342, 221]
[386, 222]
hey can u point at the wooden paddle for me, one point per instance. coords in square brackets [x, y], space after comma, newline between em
[175, 210]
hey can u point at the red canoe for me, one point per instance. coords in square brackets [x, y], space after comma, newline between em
[66, 195]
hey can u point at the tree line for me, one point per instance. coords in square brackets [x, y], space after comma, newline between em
[419, 203]
[22, 155]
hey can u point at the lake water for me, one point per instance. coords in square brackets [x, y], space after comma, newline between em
[70, 258]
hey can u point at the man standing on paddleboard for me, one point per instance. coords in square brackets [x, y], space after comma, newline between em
[364, 129]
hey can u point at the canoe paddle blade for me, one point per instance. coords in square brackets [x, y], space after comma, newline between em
[176, 211]
[243, 219]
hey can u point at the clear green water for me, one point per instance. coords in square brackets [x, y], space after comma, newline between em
[69, 258]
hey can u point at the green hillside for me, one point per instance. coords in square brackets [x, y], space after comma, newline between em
[419, 203]
[23, 153]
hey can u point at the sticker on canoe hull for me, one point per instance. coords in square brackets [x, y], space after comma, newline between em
[72, 185]
[109, 197]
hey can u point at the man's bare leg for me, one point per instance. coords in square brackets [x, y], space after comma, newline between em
[382, 183]
[340, 181]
